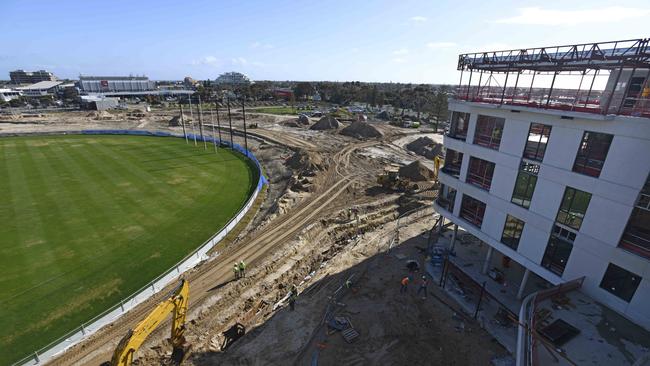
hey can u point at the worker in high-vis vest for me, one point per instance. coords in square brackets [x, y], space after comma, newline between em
[242, 269]
[405, 284]
[235, 270]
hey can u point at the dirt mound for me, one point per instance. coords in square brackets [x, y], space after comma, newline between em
[303, 120]
[416, 171]
[361, 130]
[290, 123]
[326, 123]
[383, 115]
[426, 147]
[175, 121]
[306, 163]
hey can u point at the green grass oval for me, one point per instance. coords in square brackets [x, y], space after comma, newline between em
[87, 220]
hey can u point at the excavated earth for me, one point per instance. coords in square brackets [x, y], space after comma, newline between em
[322, 219]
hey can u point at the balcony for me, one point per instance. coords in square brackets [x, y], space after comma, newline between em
[451, 169]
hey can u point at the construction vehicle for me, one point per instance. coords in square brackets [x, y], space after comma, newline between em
[176, 304]
[390, 179]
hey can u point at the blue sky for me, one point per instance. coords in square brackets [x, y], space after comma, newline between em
[399, 41]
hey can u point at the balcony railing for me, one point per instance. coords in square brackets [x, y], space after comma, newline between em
[635, 244]
[453, 170]
[479, 180]
[445, 203]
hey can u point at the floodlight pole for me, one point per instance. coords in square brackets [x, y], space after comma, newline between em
[205, 145]
[232, 145]
[183, 122]
[214, 137]
[192, 118]
[218, 122]
[243, 110]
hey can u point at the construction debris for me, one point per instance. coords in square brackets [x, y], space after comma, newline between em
[326, 123]
[175, 121]
[303, 120]
[416, 172]
[426, 147]
[361, 130]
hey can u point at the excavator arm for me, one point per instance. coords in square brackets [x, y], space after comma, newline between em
[176, 304]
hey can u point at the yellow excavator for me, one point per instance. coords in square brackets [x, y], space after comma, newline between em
[176, 304]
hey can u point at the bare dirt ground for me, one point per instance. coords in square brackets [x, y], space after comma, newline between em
[303, 234]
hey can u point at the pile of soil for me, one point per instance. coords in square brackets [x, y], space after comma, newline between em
[306, 163]
[103, 116]
[303, 120]
[290, 123]
[361, 130]
[175, 121]
[426, 147]
[416, 172]
[326, 123]
[383, 115]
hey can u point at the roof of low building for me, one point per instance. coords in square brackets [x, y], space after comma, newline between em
[41, 85]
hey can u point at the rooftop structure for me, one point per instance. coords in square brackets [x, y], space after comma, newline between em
[603, 78]
[232, 78]
[41, 88]
[557, 186]
[115, 84]
[30, 77]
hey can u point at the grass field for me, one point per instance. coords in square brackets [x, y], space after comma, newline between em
[276, 110]
[88, 220]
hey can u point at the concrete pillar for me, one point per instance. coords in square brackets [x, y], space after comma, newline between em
[522, 286]
[488, 259]
[453, 238]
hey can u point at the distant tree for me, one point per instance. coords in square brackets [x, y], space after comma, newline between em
[302, 90]
[440, 104]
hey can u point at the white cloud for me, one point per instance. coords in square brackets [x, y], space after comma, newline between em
[241, 61]
[441, 44]
[207, 60]
[418, 19]
[399, 60]
[401, 51]
[539, 16]
[257, 44]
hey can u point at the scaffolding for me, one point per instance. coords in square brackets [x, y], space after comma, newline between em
[512, 77]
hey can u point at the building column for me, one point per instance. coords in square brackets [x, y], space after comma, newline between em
[488, 259]
[453, 238]
[522, 286]
[442, 224]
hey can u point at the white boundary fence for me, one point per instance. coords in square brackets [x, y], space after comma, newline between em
[59, 345]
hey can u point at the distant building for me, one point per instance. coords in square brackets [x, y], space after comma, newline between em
[41, 88]
[97, 103]
[233, 78]
[114, 84]
[9, 94]
[188, 82]
[30, 77]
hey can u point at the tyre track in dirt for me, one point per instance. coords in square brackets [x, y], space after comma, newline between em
[98, 347]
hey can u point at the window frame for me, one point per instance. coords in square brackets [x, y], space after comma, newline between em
[634, 238]
[476, 214]
[444, 200]
[565, 216]
[556, 244]
[447, 167]
[528, 171]
[626, 296]
[512, 240]
[536, 156]
[483, 177]
[453, 125]
[491, 123]
[581, 163]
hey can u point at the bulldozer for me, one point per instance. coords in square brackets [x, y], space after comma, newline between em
[391, 179]
[176, 304]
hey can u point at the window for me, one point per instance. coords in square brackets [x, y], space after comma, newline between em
[446, 197]
[558, 250]
[573, 208]
[453, 162]
[620, 282]
[525, 184]
[592, 153]
[458, 125]
[636, 237]
[488, 131]
[633, 91]
[472, 210]
[512, 232]
[537, 139]
[480, 173]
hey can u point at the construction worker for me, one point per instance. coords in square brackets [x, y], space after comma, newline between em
[405, 284]
[293, 294]
[235, 270]
[423, 286]
[242, 269]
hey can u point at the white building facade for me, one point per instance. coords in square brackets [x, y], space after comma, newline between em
[554, 191]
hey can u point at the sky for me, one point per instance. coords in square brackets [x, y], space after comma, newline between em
[377, 41]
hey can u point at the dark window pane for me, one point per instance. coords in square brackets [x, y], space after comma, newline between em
[538, 136]
[472, 210]
[452, 163]
[620, 282]
[512, 232]
[446, 197]
[573, 208]
[557, 254]
[480, 173]
[636, 237]
[458, 124]
[525, 184]
[592, 153]
[488, 131]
